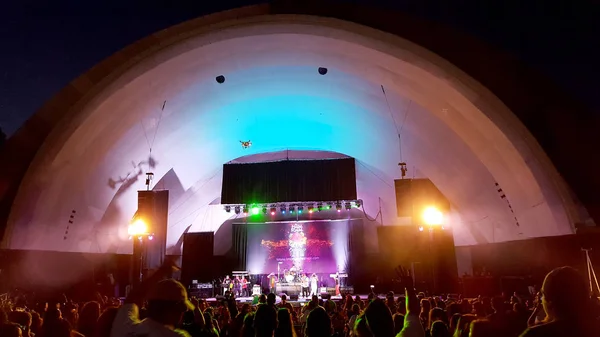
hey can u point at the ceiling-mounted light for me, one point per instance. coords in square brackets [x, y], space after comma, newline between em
[348, 206]
[282, 209]
[358, 203]
[300, 209]
[291, 209]
[245, 210]
[273, 210]
[310, 209]
[264, 210]
[237, 209]
[338, 206]
[319, 207]
[227, 208]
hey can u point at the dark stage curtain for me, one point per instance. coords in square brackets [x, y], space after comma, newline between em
[355, 248]
[240, 245]
[289, 180]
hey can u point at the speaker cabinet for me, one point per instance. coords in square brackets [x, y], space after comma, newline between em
[414, 195]
[198, 260]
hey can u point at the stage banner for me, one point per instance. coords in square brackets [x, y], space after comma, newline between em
[309, 247]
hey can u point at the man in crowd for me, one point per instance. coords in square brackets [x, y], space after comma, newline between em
[167, 302]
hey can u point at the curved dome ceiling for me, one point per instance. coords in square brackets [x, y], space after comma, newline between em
[167, 114]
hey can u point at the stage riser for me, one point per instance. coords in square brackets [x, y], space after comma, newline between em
[292, 290]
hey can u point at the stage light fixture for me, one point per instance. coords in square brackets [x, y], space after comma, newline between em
[433, 217]
[227, 209]
[310, 209]
[264, 210]
[237, 210]
[338, 206]
[256, 210]
[273, 210]
[282, 209]
[291, 209]
[137, 227]
[245, 210]
[329, 205]
[357, 203]
[300, 209]
[421, 228]
[319, 207]
[348, 206]
[151, 237]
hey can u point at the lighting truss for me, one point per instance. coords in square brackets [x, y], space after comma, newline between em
[292, 207]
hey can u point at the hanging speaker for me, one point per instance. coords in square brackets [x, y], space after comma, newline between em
[414, 195]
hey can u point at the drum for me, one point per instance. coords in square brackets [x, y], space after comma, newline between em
[289, 278]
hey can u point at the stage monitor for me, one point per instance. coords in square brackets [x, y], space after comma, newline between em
[289, 181]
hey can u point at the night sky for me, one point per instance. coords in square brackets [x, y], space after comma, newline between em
[46, 44]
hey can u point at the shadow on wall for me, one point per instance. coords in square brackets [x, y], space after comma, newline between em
[177, 248]
[130, 178]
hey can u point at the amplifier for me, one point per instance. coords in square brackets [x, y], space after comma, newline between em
[205, 286]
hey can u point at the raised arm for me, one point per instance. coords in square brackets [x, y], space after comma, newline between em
[412, 324]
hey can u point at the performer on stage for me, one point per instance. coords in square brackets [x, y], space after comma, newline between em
[313, 284]
[336, 278]
[245, 287]
[305, 285]
[226, 284]
[272, 282]
[237, 286]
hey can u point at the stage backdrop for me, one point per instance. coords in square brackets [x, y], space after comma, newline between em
[315, 246]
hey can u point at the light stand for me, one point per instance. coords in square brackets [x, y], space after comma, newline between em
[278, 271]
[591, 272]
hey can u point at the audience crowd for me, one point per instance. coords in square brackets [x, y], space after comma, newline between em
[160, 307]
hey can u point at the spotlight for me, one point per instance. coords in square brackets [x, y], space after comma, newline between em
[421, 228]
[433, 217]
[358, 203]
[245, 210]
[221, 79]
[237, 210]
[338, 206]
[227, 209]
[329, 205]
[273, 210]
[319, 207]
[138, 227]
[322, 70]
[255, 210]
[264, 210]
[291, 209]
[151, 237]
[282, 209]
[348, 206]
[310, 209]
[300, 209]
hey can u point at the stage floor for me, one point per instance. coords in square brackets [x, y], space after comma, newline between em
[299, 302]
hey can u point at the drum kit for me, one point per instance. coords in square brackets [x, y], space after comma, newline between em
[293, 275]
